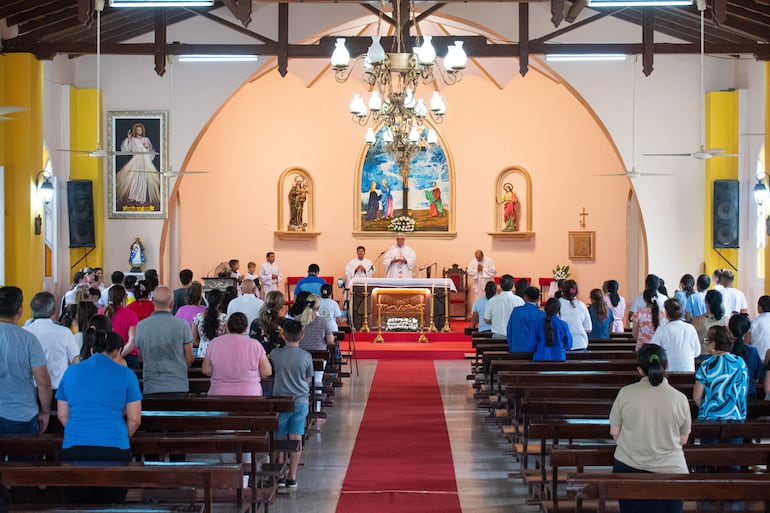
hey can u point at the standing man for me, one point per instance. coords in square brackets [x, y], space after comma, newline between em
[22, 360]
[481, 270]
[499, 308]
[185, 278]
[58, 342]
[359, 267]
[400, 259]
[733, 299]
[166, 345]
[248, 303]
[269, 274]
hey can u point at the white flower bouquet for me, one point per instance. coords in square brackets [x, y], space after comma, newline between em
[402, 224]
[560, 273]
[402, 324]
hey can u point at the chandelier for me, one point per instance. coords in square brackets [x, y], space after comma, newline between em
[394, 78]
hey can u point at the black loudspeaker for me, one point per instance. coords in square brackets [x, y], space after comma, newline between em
[726, 213]
[80, 210]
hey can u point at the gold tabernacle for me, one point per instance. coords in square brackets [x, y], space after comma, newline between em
[401, 310]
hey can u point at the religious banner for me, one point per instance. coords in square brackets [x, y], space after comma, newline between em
[415, 198]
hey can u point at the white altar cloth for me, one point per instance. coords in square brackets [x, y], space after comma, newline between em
[435, 283]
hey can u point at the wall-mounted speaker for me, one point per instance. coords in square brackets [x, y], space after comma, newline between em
[726, 195]
[80, 210]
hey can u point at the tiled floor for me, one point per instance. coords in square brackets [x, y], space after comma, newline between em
[482, 466]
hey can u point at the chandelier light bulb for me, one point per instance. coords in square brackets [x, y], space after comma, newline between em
[340, 56]
[426, 54]
[432, 136]
[451, 57]
[460, 59]
[370, 138]
[388, 135]
[409, 101]
[414, 135]
[375, 53]
[420, 110]
[437, 104]
[357, 106]
[375, 102]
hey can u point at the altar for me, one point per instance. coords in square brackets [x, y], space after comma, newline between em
[364, 311]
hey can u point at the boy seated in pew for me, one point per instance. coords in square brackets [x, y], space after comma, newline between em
[293, 372]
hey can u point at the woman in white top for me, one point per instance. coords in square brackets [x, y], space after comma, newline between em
[678, 338]
[575, 314]
[617, 305]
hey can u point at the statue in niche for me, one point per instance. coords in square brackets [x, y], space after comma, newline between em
[511, 209]
[297, 197]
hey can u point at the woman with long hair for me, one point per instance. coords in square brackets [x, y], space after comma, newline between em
[575, 314]
[97, 323]
[739, 326]
[617, 305]
[124, 323]
[686, 289]
[77, 318]
[143, 306]
[553, 338]
[266, 328]
[650, 420]
[714, 316]
[601, 316]
[646, 320]
[316, 334]
[236, 363]
[210, 323]
[193, 297]
[92, 399]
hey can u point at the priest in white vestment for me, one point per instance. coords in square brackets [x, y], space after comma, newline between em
[269, 275]
[359, 267]
[481, 270]
[399, 260]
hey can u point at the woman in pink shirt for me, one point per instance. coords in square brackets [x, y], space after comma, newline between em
[124, 323]
[235, 362]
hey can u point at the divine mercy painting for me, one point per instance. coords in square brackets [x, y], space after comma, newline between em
[381, 192]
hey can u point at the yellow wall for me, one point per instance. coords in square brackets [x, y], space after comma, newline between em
[721, 132]
[21, 153]
[83, 136]
[767, 160]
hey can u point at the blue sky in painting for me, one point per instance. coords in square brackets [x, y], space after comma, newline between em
[425, 168]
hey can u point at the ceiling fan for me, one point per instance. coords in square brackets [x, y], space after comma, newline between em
[633, 173]
[10, 109]
[702, 153]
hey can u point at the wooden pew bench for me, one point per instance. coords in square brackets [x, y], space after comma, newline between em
[205, 478]
[689, 487]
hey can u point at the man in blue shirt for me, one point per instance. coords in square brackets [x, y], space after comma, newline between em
[522, 322]
[311, 283]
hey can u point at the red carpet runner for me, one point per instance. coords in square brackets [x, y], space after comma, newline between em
[402, 460]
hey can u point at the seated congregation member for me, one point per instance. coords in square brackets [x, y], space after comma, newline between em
[721, 380]
[311, 283]
[236, 363]
[499, 308]
[315, 331]
[714, 316]
[650, 420]
[124, 323]
[739, 326]
[166, 345]
[97, 323]
[552, 337]
[93, 398]
[616, 304]
[293, 372]
[575, 314]
[523, 321]
[267, 328]
[192, 304]
[58, 342]
[210, 323]
[143, 306]
[247, 303]
[477, 313]
[678, 338]
[601, 316]
[646, 320]
[696, 303]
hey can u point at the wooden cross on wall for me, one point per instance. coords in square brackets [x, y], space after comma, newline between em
[583, 215]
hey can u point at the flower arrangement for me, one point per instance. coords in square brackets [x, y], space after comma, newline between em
[402, 224]
[560, 273]
[402, 324]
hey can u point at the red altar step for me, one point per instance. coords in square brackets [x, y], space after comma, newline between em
[404, 346]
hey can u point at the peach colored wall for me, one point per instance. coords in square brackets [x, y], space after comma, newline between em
[274, 123]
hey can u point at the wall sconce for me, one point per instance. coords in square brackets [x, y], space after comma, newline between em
[45, 189]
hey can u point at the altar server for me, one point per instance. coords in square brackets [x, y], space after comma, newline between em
[269, 274]
[359, 267]
[400, 259]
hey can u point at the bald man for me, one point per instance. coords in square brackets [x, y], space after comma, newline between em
[400, 259]
[248, 304]
[166, 345]
[481, 270]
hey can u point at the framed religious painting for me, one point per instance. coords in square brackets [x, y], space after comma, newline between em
[416, 198]
[582, 245]
[138, 146]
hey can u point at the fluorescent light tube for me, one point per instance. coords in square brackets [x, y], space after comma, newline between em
[567, 57]
[637, 3]
[217, 58]
[161, 3]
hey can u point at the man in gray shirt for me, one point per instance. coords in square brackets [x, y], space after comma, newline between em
[21, 359]
[166, 345]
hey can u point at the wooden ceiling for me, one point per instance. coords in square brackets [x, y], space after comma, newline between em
[46, 28]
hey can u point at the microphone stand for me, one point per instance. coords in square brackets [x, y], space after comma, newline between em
[378, 258]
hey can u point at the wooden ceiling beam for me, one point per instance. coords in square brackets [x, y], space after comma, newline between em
[283, 39]
[48, 21]
[16, 7]
[241, 9]
[557, 12]
[648, 41]
[237, 28]
[41, 11]
[575, 9]
[524, 38]
[160, 42]
[574, 26]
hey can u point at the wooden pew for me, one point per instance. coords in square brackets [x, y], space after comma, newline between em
[206, 477]
[219, 403]
[517, 366]
[711, 487]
